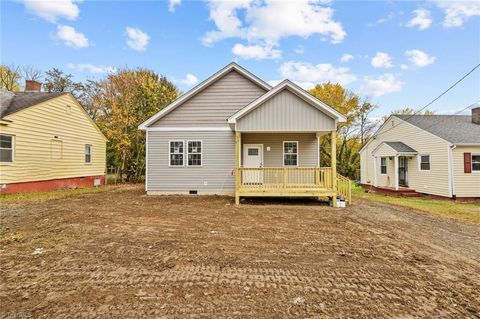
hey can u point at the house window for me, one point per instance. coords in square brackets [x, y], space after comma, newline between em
[194, 153]
[476, 163]
[424, 162]
[290, 153]
[176, 153]
[6, 148]
[88, 153]
[383, 165]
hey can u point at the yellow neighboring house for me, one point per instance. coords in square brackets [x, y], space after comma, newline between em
[48, 141]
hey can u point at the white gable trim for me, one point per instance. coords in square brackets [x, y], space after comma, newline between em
[200, 87]
[188, 128]
[286, 84]
[390, 147]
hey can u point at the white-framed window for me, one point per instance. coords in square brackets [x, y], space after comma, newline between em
[6, 148]
[290, 153]
[383, 165]
[475, 162]
[176, 153]
[424, 162]
[88, 153]
[194, 153]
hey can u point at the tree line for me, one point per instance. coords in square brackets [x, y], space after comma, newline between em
[120, 101]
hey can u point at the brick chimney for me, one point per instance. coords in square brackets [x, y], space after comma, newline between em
[32, 86]
[476, 115]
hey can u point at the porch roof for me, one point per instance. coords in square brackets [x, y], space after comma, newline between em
[393, 148]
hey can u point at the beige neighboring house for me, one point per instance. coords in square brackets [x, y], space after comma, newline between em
[235, 134]
[430, 154]
[48, 141]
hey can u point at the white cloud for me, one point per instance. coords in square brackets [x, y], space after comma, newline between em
[299, 49]
[389, 17]
[419, 58]
[94, 69]
[307, 72]
[137, 39]
[172, 4]
[53, 10]
[270, 21]
[256, 52]
[458, 12]
[381, 85]
[71, 37]
[422, 19]
[346, 58]
[381, 60]
[404, 66]
[189, 79]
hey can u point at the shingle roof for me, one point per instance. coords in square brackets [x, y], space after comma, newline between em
[456, 129]
[11, 102]
[401, 147]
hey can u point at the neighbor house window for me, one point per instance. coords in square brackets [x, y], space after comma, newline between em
[424, 162]
[88, 153]
[176, 153]
[290, 153]
[476, 163]
[6, 148]
[383, 165]
[194, 153]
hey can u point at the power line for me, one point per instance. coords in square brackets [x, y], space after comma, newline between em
[432, 101]
[443, 119]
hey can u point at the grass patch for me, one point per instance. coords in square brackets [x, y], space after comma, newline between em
[42, 196]
[442, 207]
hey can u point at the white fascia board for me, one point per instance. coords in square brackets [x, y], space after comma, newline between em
[189, 129]
[295, 90]
[203, 85]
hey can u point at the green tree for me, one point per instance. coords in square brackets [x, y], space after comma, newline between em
[58, 81]
[125, 100]
[408, 111]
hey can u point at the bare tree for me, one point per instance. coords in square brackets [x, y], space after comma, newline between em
[31, 73]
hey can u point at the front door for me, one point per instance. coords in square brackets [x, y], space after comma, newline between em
[402, 171]
[252, 158]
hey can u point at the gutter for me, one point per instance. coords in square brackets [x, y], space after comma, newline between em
[451, 175]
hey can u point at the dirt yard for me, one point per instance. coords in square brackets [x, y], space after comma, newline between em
[121, 254]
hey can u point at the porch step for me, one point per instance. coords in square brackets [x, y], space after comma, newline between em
[407, 192]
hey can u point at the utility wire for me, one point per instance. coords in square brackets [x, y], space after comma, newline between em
[432, 101]
[443, 119]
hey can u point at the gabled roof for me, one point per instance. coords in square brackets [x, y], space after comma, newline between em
[295, 89]
[401, 147]
[456, 129]
[203, 85]
[12, 102]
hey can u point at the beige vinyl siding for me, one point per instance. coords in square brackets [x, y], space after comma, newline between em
[307, 147]
[433, 182]
[213, 105]
[38, 155]
[216, 175]
[285, 112]
[466, 185]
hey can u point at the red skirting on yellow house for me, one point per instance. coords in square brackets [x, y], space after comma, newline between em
[54, 184]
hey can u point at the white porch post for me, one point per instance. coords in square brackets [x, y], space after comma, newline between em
[375, 171]
[395, 159]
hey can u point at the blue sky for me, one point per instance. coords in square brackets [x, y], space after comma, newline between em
[399, 54]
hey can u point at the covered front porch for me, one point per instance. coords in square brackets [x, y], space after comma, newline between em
[277, 146]
[286, 165]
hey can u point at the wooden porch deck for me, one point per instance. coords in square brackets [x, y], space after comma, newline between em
[292, 182]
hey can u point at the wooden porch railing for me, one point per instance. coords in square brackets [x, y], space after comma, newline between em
[294, 178]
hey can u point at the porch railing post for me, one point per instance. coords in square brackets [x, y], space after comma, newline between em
[238, 144]
[333, 156]
[285, 177]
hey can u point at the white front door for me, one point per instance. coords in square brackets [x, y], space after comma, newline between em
[252, 158]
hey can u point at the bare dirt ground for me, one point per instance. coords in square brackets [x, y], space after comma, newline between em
[121, 254]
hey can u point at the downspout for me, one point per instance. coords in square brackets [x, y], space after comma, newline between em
[451, 175]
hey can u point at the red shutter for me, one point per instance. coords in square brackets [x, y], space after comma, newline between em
[467, 162]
